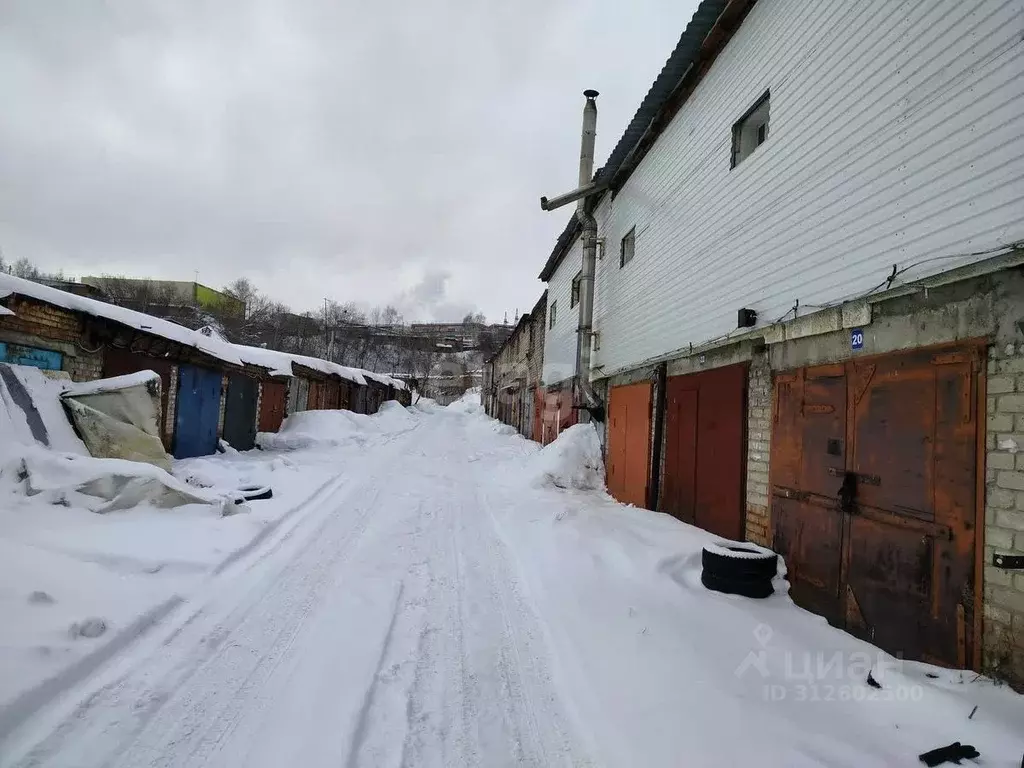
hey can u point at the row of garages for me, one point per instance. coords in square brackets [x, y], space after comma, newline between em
[512, 391]
[211, 390]
[875, 488]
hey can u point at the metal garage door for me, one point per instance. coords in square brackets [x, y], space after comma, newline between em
[198, 412]
[272, 404]
[874, 472]
[705, 439]
[629, 442]
[240, 412]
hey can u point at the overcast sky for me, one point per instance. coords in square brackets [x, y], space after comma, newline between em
[369, 152]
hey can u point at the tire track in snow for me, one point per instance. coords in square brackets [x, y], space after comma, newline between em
[165, 684]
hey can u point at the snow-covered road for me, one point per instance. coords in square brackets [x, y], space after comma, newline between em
[454, 596]
[385, 628]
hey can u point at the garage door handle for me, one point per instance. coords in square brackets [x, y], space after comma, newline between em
[847, 493]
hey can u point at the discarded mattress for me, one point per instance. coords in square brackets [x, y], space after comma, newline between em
[118, 418]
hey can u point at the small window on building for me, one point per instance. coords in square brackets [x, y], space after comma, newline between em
[627, 248]
[574, 298]
[552, 313]
[750, 131]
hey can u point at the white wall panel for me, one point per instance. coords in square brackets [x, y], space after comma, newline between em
[896, 137]
[560, 340]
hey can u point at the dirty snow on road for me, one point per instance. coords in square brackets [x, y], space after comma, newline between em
[455, 596]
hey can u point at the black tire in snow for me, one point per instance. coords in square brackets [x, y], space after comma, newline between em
[255, 492]
[757, 588]
[739, 560]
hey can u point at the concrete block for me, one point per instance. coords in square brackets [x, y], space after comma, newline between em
[999, 538]
[1000, 498]
[998, 615]
[1011, 403]
[1007, 598]
[1012, 365]
[1000, 422]
[1018, 582]
[1013, 521]
[1001, 460]
[998, 576]
[1018, 543]
[1018, 423]
[1010, 479]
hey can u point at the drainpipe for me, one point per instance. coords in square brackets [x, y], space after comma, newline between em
[589, 240]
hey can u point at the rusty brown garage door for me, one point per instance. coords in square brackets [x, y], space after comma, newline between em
[874, 493]
[118, 362]
[629, 442]
[272, 405]
[705, 438]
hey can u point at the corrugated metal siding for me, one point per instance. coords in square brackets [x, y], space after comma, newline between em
[560, 340]
[894, 138]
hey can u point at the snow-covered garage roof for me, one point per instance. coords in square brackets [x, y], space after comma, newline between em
[211, 343]
[153, 325]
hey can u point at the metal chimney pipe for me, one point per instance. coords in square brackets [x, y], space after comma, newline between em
[588, 238]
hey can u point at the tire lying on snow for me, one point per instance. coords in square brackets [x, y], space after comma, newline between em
[254, 493]
[739, 568]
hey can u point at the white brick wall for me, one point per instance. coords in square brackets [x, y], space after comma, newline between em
[1004, 512]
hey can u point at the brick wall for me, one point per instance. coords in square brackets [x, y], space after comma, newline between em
[43, 320]
[1004, 512]
[759, 426]
[40, 325]
[172, 402]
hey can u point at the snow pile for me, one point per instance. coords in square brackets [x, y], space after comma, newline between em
[573, 460]
[425, 405]
[31, 413]
[97, 485]
[468, 403]
[335, 428]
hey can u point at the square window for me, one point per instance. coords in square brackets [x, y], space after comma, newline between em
[627, 248]
[574, 297]
[751, 130]
[552, 314]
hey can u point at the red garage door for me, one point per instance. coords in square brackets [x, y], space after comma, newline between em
[629, 443]
[272, 405]
[705, 416]
[874, 496]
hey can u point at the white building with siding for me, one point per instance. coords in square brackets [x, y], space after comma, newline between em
[853, 173]
[893, 138]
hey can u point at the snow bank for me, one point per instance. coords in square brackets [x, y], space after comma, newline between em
[468, 403]
[573, 460]
[97, 485]
[332, 428]
[31, 413]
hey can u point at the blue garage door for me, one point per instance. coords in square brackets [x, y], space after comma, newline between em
[197, 412]
[17, 354]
